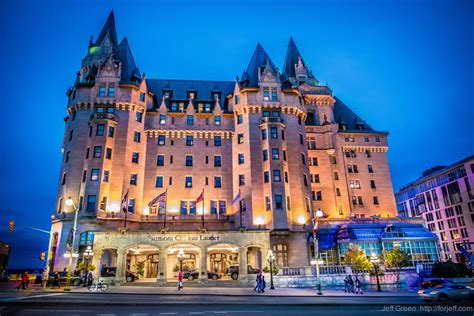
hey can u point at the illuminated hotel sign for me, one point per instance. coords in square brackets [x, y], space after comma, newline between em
[199, 237]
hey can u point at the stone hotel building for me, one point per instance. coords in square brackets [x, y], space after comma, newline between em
[264, 151]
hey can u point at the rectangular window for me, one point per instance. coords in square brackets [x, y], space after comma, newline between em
[359, 200]
[100, 130]
[111, 91]
[161, 140]
[189, 161]
[286, 176]
[338, 192]
[159, 182]
[190, 120]
[278, 202]
[376, 200]
[301, 139]
[214, 206]
[319, 196]
[131, 206]
[284, 155]
[108, 153]
[336, 176]
[237, 99]
[63, 181]
[305, 180]
[95, 174]
[368, 154]
[217, 161]
[133, 179]
[97, 152]
[188, 182]
[266, 113]
[106, 176]
[102, 90]
[103, 203]
[138, 116]
[266, 94]
[142, 96]
[189, 140]
[264, 134]
[265, 154]
[111, 131]
[136, 137]
[268, 203]
[273, 132]
[241, 159]
[283, 134]
[266, 176]
[70, 134]
[288, 204]
[84, 175]
[369, 168]
[162, 119]
[217, 120]
[135, 157]
[184, 208]
[241, 179]
[274, 95]
[91, 200]
[217, 141]
[240, 119]
[160, 160]
[275, 154]
[316, 178]
[366, 139]
[377, 139]
[217, 182]
[303, 159]
[276, 175]
[372, 184]
[240, 138]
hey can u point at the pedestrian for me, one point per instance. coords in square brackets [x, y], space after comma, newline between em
[22, 282]
[358, 286]
[56, 280]
[351, 284]
[27, 277]
[346, 284]
[180, 280]
[258, 279]
[90, 278]
[262, 285]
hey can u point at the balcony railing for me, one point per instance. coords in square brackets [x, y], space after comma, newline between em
[104, 116]
[271, 119]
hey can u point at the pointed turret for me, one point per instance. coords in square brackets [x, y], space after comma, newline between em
[130, 72]
[295, 68]
[108, 29]
[259, 61]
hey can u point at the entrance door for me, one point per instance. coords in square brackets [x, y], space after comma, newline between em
[152, 266]
[218, 263]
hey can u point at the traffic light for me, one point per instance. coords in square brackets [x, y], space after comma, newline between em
[42, 256]
[11, 225]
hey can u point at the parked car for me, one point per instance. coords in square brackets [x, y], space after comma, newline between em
[5, 276]
[75, 279]
[131, 276]
[447, 292]
[233, 271]
[195, 275]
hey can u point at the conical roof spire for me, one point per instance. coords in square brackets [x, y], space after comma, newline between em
[260, 59]
[293, 57]
[108, 28]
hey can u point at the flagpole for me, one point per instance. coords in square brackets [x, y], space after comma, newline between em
[166, 202]
[202, 214]
[126, 210]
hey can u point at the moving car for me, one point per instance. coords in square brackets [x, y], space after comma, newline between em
[434, 282]
[195, 275]
[75, 279]
[447, 292]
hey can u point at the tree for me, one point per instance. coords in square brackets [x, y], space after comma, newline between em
[396, 259]
[450, 269]
[82, 266]
[140, 265]
[356, 259]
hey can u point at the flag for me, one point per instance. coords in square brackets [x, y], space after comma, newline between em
[69, 238]
[200, 198]
[124, 204]
[236, 199]
[159, 198]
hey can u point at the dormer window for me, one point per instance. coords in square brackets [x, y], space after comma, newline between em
[216, 96]
[360, 127]
[102, 91]
[266, 94]
[207, 107]
[111, 91]
[237, 99]
[191, 95]
[142, 96]
[167, 94]
[174, 106]
[266, 113]
[343, 127]
[110, 110]
[100, 110]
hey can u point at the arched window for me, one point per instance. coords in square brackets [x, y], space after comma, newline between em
[281, 254]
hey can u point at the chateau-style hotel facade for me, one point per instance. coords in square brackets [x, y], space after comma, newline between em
[264, 151]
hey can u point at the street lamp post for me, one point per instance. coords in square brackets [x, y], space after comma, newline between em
[87, 254]
[70, 202]
[317, 215]
[181, 256]
[375, 260]
[271, 260]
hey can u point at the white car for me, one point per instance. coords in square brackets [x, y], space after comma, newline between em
[448, 292]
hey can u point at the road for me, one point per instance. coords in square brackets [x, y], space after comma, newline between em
[142, 305]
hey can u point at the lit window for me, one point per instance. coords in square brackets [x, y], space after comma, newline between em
[162, 119]
[94, 174]
[275, 154]
[97, 151]
[217, 120]
[188, 182]
[189, 140]
[273, 132]
[161, 140]
[276, 175]
[266, 94]
[133, 179]
[240, 138]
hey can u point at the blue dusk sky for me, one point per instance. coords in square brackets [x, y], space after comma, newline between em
[404, 66]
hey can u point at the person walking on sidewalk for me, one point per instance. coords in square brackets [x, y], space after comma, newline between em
[358, 286]
[262, 286]
[180, 280]
[258, 280]
[346, 284]
[22, 282]
[55, 280]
